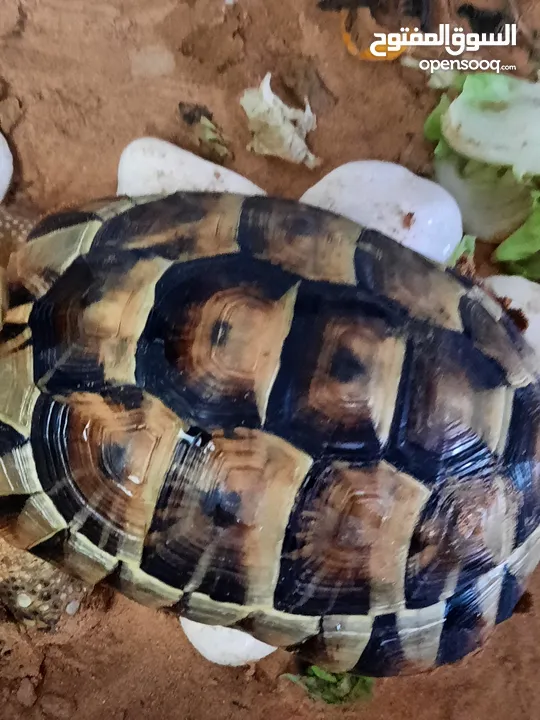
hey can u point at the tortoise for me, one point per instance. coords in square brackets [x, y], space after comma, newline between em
[254, 413]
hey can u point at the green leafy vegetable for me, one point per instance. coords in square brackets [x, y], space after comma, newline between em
[521, 251]
[323, 675]
[496, 120]
[489, 90]
[276, 128]
[465, 248]
[487, 155]
[492, 201]
[432, 128]
[213, 145]
[333, 688]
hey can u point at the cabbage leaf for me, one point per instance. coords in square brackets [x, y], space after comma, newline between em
[487, 155]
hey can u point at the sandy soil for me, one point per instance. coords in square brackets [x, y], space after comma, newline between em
[82, 79]
[127, 663]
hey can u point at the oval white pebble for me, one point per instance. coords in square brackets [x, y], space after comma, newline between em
[150, 166]
[388, 197]
[24, 600]
[6, 167]
[223, 645]
[72, 608]
[525, 296]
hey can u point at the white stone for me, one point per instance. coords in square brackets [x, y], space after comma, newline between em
[223, 645]
[72, 608]
[385, 196]
[6, 167]
[24, 600]
[525, 296]
[388, 197]
[149, 166]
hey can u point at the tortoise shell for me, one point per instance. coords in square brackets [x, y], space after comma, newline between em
[254, 413]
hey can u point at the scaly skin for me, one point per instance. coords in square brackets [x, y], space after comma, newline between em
[32, 591]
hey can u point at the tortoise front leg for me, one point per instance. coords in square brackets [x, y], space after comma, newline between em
[35, 593]
[15, 224]
[32, 591]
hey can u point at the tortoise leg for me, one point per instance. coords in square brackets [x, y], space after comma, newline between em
[35, 593]
[15, 224]
[32, 591]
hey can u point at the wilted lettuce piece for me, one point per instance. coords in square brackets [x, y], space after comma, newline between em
[492, 201]
[487, 156]
[488, 89]
[212, 143]
[433, 130]
[276, 128]
[333, 688]
[521, 250]
[432, 126]
[496, 120]
[466, 248]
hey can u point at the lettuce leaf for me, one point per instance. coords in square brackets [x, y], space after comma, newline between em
[521, 250]
[493, 203]
[487, 155]
[433, 130]
[277, 129]
[495, 119]
[465, 248]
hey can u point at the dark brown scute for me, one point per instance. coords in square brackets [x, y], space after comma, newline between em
[320, 402]
[521, 457]
[342, 552]
[58, 221]
[466, 529]
[98, 458]
[447, 408]
[9, 439]
[174, 227]
[498, 338]
[313, 243]
[221, 515]
[213, 340]
[387, 270]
